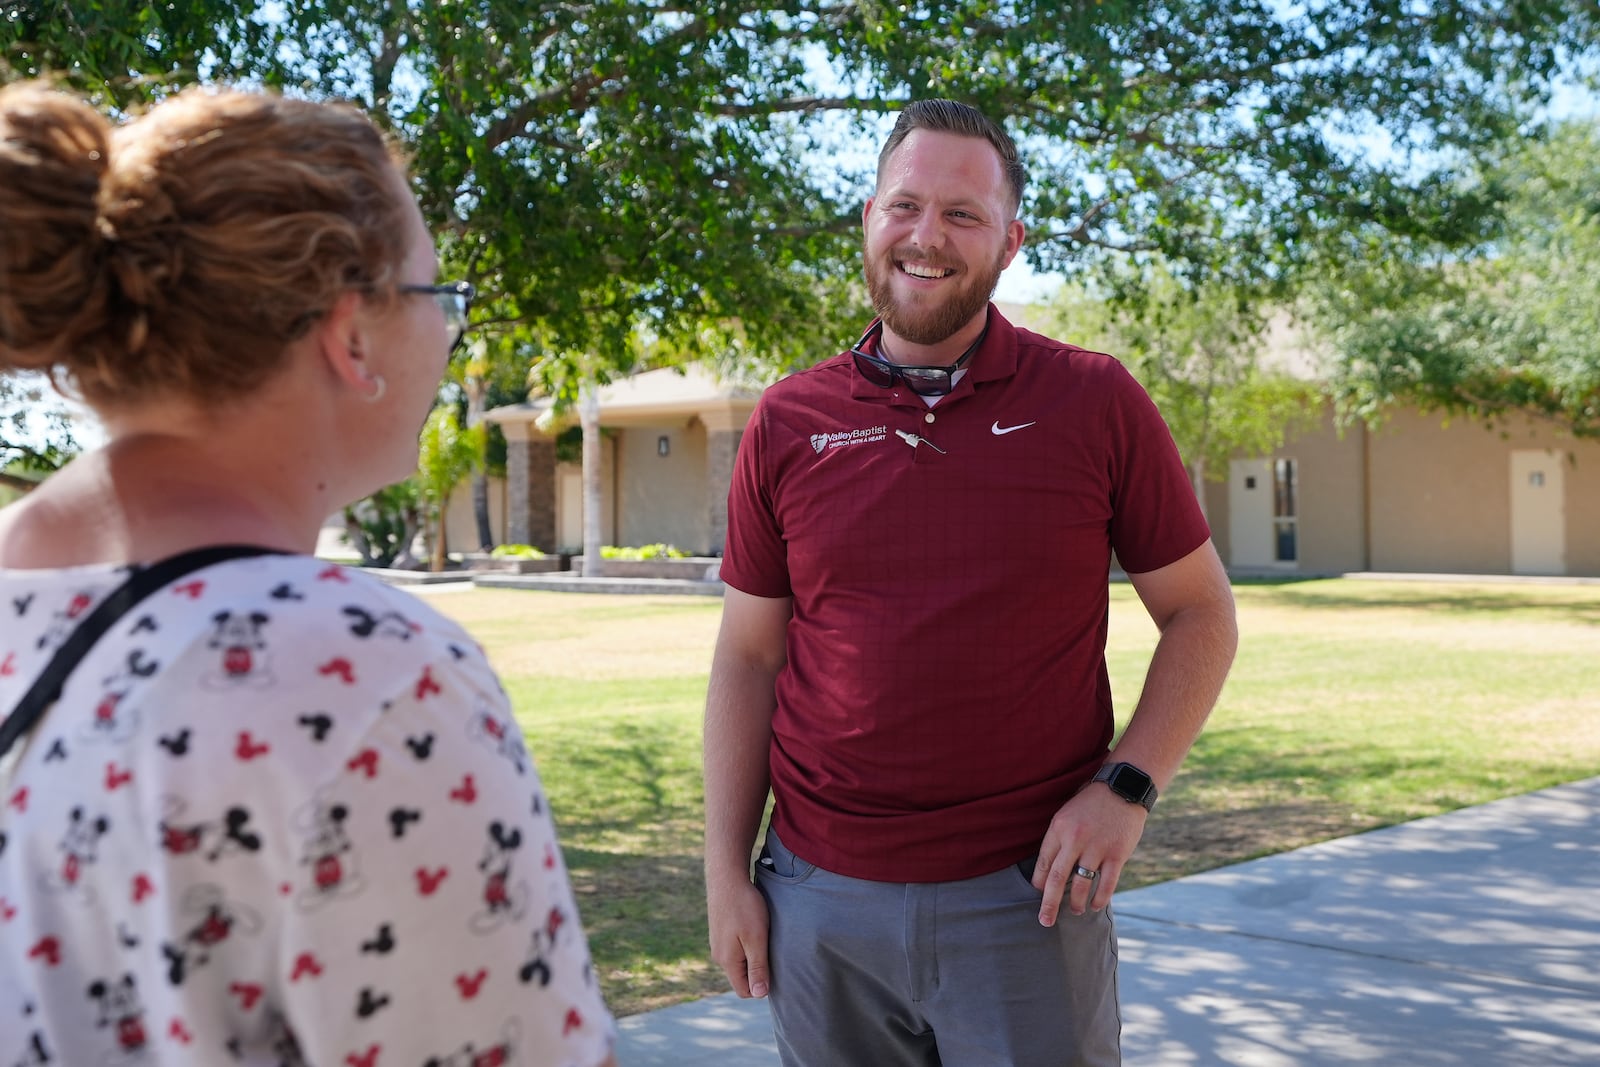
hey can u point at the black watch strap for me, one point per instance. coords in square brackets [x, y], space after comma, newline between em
[1129, 783]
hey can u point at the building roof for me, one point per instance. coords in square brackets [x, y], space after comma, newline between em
[677, 394]
[651, 397]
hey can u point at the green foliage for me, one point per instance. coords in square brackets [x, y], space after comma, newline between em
[15, 483]
[35, 433]
[655, 551]
[696, 171]
[1510, 330]
[1199, 353]
[486, 374]
[515, 552]
[124, 52]
[382, 526]
[447, 453]
[569, 445]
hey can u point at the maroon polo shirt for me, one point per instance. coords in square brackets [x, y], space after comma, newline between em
[946, 690]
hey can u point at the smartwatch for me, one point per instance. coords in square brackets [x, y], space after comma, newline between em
[1129, 783]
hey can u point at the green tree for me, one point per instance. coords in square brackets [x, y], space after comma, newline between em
[383, 526]
[446, 455]
[1199, 353]
[621, 164]
[1510, 330]
[487, 376]
[35, 434]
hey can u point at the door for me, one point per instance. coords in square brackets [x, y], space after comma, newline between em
[569, 507]
[1250, 507]
[1264, 513]
[1538, 512]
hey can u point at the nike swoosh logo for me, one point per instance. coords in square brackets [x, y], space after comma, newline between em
[1001, 431]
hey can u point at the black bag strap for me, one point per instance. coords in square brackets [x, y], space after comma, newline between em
[46, 690]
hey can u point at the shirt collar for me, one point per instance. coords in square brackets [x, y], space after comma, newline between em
[996, 358]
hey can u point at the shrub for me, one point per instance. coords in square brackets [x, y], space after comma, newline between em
[655, 551]
[382, 527]
[515, 552]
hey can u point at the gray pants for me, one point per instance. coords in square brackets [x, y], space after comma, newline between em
[947, 974]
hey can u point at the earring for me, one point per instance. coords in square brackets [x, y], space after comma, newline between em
[378, 388]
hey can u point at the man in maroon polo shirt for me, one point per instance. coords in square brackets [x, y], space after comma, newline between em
[912, 653]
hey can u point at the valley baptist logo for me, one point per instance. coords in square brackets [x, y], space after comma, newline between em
[821, 442]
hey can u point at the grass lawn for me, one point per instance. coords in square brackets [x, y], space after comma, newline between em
[1352, 705]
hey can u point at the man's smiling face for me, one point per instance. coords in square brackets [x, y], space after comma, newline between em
[937, 234]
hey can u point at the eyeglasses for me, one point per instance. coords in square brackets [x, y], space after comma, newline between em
[455, 300]
[922, 380]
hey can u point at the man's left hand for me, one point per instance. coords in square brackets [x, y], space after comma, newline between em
[1095, 830]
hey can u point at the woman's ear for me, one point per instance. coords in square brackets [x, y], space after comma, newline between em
[342, 344]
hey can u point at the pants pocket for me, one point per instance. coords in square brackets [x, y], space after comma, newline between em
[777, 863]
[1024, 871]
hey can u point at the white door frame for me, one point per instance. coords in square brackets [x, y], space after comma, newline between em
[1250, 527]
[1538, 512]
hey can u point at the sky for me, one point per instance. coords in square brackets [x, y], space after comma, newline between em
[1021, 284]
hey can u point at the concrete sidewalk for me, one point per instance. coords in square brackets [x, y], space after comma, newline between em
[1466, 940]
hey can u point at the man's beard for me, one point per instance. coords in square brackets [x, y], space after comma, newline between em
[939, 318]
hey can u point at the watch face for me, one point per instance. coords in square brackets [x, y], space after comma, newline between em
[1130, 782]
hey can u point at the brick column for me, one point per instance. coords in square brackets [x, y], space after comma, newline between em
[530, 486]
[723, 430]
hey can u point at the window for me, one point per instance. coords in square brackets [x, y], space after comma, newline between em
[1285, 510]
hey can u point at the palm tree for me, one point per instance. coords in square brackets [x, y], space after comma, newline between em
[446, 454]
[475, 385]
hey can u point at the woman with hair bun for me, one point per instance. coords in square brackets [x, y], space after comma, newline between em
[254, 808]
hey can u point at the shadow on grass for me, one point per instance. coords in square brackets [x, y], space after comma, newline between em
[1183, 842]
[1584, 611]
[1246, 793]
[1250, 755]
[630, 811]
[1273, 580]
[639, 774]
[629, 805]
[645, 915]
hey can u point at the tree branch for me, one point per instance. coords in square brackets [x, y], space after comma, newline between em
[577, 93]
[383, 63]
[12, 481]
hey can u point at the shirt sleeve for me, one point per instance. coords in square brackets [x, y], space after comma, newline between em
[755, 557]
[432, 914]
[1157, 519]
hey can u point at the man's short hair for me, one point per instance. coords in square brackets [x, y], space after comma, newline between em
[948, 116]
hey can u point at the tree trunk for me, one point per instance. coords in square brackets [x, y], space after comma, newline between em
[480, 509]
[477, 391]
[412, 520]
[439, 556]
[589, 418]
[358, 538]
[21, 485]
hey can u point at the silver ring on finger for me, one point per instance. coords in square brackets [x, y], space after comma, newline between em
[1080, 871]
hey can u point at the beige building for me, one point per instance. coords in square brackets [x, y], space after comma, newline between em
[1416, 495]
[670, 438]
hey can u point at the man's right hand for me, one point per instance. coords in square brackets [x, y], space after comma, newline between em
[740, 700]
[738, 916]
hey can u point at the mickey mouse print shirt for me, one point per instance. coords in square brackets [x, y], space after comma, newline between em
[281, 815]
